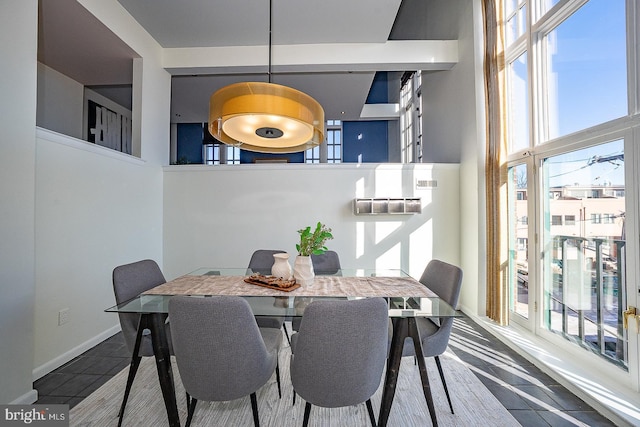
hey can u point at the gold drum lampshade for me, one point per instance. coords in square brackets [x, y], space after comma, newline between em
[266, 118]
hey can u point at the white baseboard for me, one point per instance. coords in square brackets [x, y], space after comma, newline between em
[53, 364]
[26, 399]
[618, 403]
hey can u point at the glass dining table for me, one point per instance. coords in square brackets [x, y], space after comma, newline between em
[407, 299]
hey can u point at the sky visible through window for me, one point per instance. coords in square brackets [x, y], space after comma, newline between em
[588, 62]
[599, 165]
[588, 67]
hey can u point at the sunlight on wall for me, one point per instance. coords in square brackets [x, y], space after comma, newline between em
[385, 229]
[359, 239]
[388, 183]
[360, 188]
[359, 192]
[389, 259]
[418, 259]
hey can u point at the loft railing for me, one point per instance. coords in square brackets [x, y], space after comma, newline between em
[586, 294]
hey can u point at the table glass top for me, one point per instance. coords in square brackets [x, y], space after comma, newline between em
[406, 296]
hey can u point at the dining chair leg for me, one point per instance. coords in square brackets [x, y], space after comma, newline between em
[254, 409]
[278, 379]
[191, 408]
[286, 333]
[307, 411]
[444, 383]
[294, 398]
[372, 417]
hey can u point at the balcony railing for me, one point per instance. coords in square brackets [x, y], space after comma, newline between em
[585, 294]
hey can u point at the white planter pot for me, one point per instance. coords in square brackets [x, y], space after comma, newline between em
[281, 266]
[303, 270]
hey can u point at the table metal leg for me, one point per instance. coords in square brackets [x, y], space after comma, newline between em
[400, 332]
[404, 327]
[163, 364]
[426, 388]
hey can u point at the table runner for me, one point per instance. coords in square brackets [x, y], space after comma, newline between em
[334, 286]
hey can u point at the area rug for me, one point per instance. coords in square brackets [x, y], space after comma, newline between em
[473, 403]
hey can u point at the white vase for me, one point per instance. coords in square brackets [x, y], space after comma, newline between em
[303, 270]
[281, 266]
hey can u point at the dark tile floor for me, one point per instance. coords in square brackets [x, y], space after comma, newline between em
[532, 397]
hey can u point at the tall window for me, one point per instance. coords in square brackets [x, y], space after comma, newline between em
[330, 151]
[411, 118]
[312, 155]
[334, 141]
[570, 118]
[211, 154]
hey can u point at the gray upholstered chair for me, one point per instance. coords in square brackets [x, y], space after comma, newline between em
[327, 263]
[220, 351]
[446, 281]
[339, 354]
[261, 262]
[129, 281]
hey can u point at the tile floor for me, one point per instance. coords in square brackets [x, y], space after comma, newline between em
[531, 396]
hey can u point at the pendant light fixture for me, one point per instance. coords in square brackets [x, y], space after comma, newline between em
[266, 117]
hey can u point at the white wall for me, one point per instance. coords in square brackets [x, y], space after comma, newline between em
[218, 215]
[96, 209]
[18, 48]
[453, 125]
[60, 102]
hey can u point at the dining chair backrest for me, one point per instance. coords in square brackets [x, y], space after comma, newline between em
[129, 281]
[262, 260]
[340, 351]
[444, 279]
[327, 263]
[219, 350]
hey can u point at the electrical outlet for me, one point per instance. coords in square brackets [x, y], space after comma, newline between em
[63, 316]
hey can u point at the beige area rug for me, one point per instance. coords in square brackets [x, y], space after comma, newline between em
[474, 405]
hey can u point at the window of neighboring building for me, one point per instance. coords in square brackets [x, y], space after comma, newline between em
[334, 141]
[569, 220]
[330, 151]
[596, 218]
[211, 154]
[411, 118]
[556, 219]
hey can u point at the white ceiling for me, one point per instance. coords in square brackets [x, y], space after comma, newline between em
[75, 43]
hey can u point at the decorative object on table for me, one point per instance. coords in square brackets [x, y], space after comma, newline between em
[281, 266]
[311, 243]
[272, 282]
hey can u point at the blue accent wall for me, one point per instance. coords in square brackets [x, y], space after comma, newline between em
[189, 143]
[365, 142]
[379, 91]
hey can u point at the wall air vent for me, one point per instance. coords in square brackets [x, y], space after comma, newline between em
[426, 183]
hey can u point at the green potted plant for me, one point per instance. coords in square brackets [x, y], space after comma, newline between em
[311, 243]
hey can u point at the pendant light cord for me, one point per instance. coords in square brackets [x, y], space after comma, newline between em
[270, 17]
